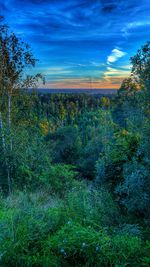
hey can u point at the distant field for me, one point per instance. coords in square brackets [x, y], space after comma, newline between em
[78, 91]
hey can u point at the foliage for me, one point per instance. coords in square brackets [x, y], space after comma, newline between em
[60, 178]
[128, 88]
[37, 231]
[82, 164]
[141, 65]
[66, 144]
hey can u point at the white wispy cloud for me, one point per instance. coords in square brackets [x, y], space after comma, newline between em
[126, 67]
[116, 72]
[115, 55]
[96, 64]
[57, 71]
[81, 65]
[133, 25]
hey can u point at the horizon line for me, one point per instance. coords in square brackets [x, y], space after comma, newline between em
[43, 88]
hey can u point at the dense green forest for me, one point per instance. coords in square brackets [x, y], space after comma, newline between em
[74, 168]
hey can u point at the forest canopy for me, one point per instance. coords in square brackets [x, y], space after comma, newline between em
[74, 168]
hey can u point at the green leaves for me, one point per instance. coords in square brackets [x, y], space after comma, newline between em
[60, 178]
[141, 65]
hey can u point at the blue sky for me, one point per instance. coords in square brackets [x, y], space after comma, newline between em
[81, 43]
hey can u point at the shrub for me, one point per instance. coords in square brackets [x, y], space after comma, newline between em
[77, 245]
[60, 178]
[133, 192]
[24, 227]
[39, 231]
[146, 258]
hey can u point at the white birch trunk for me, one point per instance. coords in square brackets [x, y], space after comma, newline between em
[9, 118]
[2, 133]
[4, 149]
[9, 111]
[9, 178]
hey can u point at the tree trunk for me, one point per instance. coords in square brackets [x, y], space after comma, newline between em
[9, 111]
[2, 133]
[9, 178]
[4, 149]
[9, 119]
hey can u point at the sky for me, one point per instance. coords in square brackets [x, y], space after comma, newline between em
[80, 43]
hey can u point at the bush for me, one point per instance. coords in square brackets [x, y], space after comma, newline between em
[77, 245]
[38, 230]
[25, 224]
[92, 207]
[133, 192]
[60, 178]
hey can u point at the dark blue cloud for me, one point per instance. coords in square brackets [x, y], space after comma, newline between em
[79, 31]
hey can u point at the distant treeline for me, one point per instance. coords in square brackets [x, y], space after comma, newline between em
[78, 91]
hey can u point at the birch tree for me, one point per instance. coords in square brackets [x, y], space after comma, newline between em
[15, 57]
